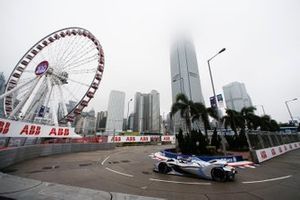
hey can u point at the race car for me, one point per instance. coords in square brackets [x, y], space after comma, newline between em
[216, 170]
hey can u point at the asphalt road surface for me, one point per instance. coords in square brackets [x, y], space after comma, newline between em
[129, 170]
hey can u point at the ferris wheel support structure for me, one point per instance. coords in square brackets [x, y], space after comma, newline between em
[56, 78]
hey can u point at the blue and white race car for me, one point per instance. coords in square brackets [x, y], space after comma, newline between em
[216, 170]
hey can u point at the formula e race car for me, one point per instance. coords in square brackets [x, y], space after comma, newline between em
[216, 170]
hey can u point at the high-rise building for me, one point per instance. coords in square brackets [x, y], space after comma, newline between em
[184, 74]
[86, 123]
[115, 112]
[236, 96]
[2, 89]
[130, 121]
[101, 121]
[184, 71]
[147, 112]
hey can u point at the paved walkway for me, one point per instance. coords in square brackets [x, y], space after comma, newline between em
[14, 187]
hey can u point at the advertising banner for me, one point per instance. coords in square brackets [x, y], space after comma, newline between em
[213, 102]
[10, 128]
[168, 138]
[131, 139]
[220, 100]
[268, 153]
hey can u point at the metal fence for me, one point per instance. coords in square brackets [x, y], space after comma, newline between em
[260, 139]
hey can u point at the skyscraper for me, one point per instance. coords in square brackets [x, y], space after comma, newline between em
[236, 96]
[184, 74]
[115, 112]
[184, 71]
[101, 121]
[147, 112]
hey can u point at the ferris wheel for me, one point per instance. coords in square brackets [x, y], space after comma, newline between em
[56, 79]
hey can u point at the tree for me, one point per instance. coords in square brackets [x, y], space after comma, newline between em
[232, 119]
[268, 124]
[186, 108]
[201, 114]
[248, 116]
[215, 140]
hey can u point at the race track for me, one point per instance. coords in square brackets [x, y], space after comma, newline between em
[129, 170]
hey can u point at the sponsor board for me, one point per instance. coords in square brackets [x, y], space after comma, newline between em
[268, 153]
[10, 128]
[147, 138]
[168, 138]
[131, 139]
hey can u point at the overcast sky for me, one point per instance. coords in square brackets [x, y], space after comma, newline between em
[262, 41]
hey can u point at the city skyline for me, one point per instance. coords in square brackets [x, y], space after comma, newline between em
[261, 39]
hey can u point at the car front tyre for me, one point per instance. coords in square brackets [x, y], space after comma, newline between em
[163, 168]
[218, 174]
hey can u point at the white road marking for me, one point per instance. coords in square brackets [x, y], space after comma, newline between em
[250, 166]
[268, 180]
[128, 175]
[178, 182]
[105, 160]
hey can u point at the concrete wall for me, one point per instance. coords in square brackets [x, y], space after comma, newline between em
[15, 155]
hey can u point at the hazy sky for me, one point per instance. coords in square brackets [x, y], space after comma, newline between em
[262, 39]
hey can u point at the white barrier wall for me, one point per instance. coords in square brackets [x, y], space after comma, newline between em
[10, 128]
[146, 138]
[268, 153]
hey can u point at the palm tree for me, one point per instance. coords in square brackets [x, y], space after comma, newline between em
[213, 113]
[185, 107]
[268, 124]
[232, 119]
[249, 116]
[201, 113]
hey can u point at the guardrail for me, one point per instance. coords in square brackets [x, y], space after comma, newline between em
[267, 145]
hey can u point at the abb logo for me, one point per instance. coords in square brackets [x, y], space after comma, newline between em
[144, 139]
[273, 152]
[4, 127]
[263, 154]
[59, 131]
[130, 139]
[31, 130]
[167, 138]
[285, 148]
[280, 150]
[116, 139]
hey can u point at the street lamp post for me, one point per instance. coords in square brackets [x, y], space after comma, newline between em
[128, 113]
[287, 106]
[215, 98]
[211, 79]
